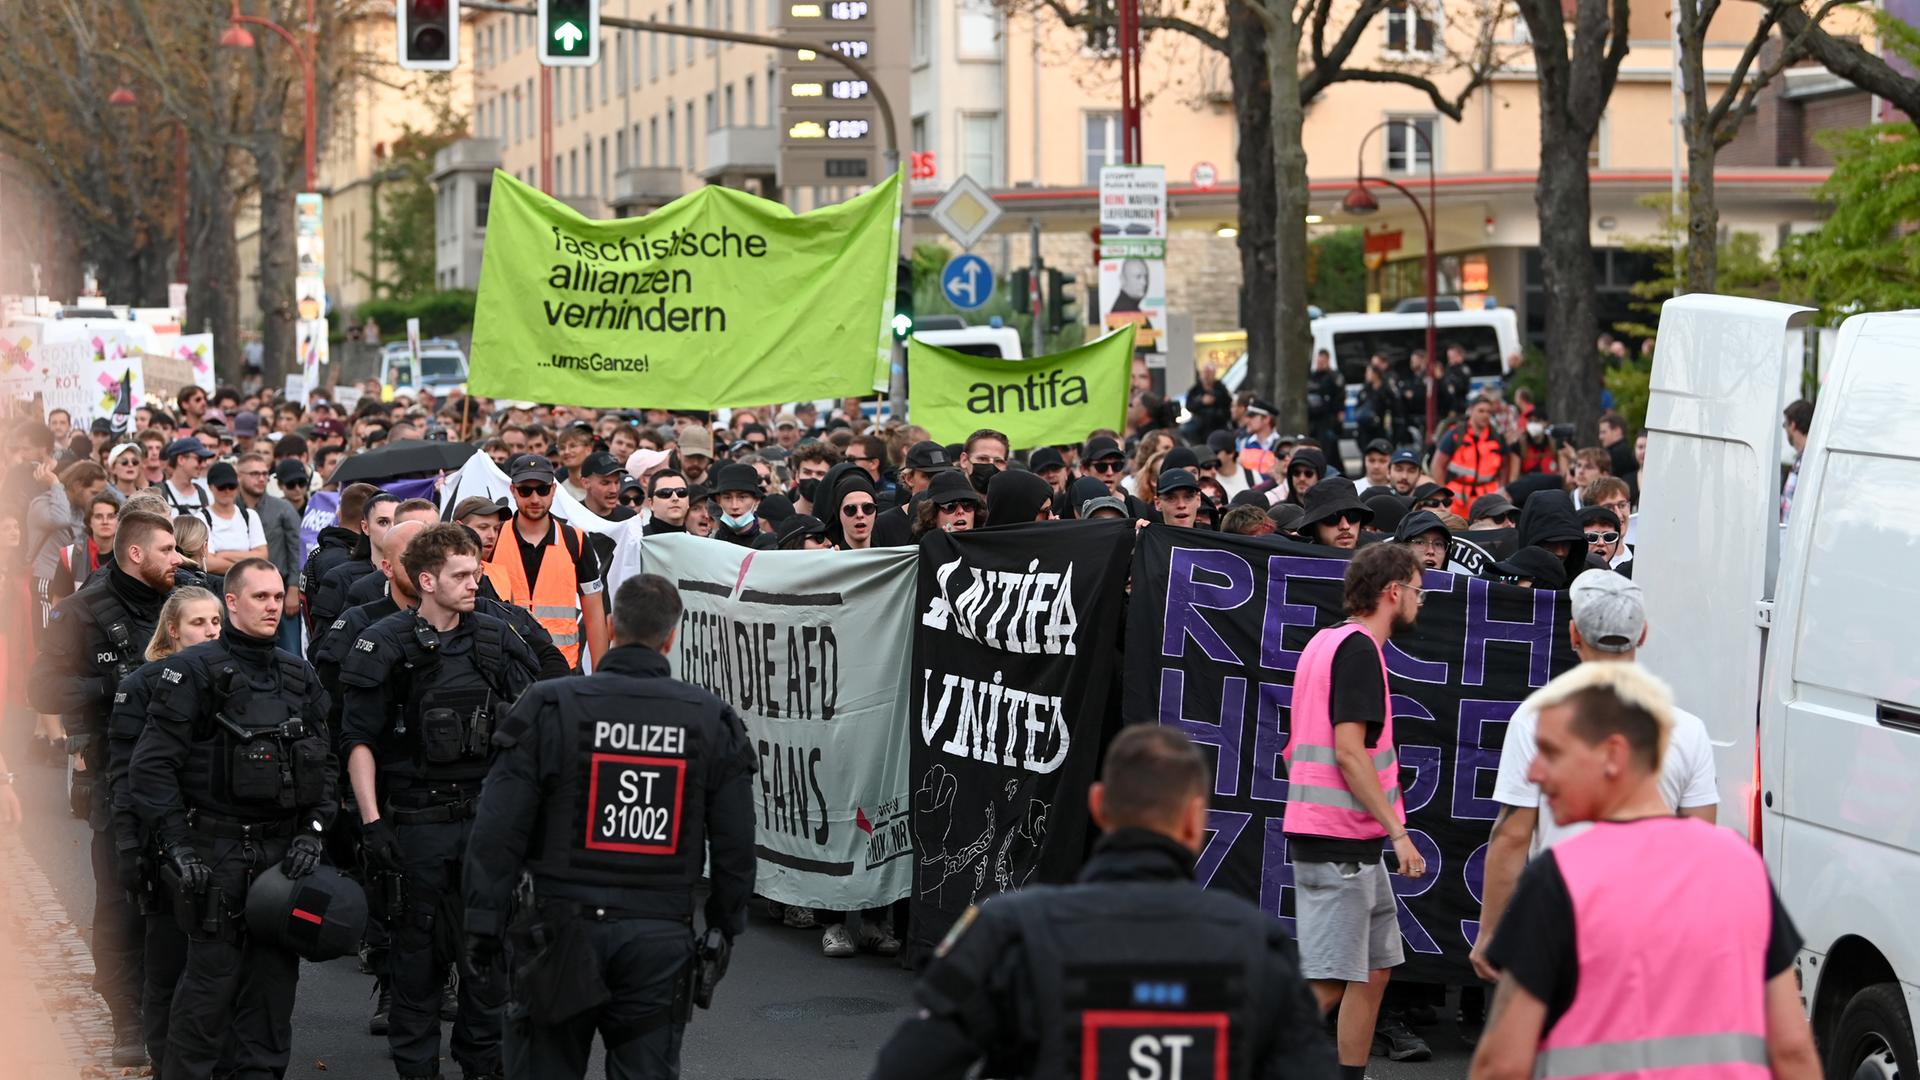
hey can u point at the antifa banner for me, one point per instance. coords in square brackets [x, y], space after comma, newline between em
[1014, 659]
[1044, 401]
[1215, 629]
[810, 648]
[717, 299]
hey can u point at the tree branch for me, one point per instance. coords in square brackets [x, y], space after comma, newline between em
[1852, 62]
[1085, 19]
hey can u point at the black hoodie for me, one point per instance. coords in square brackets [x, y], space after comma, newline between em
[1548, 517]
[1305, 455]
[827, 509]
[1016, 496]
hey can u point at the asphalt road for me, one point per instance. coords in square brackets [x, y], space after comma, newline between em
[784, 1012]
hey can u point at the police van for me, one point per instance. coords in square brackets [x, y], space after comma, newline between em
[1794, 642]
[1490, 338]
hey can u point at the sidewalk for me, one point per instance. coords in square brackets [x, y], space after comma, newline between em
[43, 966]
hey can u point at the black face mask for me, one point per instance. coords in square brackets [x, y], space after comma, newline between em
[982, 475]
[809, 489]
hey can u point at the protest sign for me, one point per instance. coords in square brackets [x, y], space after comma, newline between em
[811, 649]
[1215, 628]
[716, 299]
[1014, 666]
[1037, 402]
[165, 376]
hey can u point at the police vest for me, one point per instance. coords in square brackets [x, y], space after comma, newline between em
[254, 755]
[1112, 1003]
[1319, 803]
[1648, 897]
[555, 599]
[447, 707]
[629, 812]
[1477, 467]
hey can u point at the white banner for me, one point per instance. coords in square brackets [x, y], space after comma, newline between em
[812, 649]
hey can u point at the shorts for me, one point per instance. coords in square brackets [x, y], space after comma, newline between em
[1345, 920]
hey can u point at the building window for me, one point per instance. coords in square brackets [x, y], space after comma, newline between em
[653, 141]
[713, 23]
[620, 148]
[1406, 151]
[727, 108]
[1102, 143]
[603, 71]
[573, 172]
[713, 115]
[653, 53]
[481, 194]
[979, 139]
[692, 157]
[729, 11]
[673, 56]
[589, 150]
[979, 27]
[922, 31]
[1410, 28]
[747, 18]
[606, 189]
[673, 142]
[753, 105]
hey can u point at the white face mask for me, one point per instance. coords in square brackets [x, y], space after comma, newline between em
[1535, 429]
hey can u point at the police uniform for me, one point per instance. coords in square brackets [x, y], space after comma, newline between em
[329, 597]
[234, 772]
[612, 789]
[165, 948]
[426, 703]
[334, 546]
[96, 638]
[1134, 971]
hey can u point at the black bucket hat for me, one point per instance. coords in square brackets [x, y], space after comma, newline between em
[1328, 498]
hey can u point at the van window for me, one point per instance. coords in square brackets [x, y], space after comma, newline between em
[1352, 348]
[1860, 583]
[440, 366]
[987, 349]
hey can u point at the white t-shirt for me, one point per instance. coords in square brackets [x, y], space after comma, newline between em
[242, 533]
[1686, 774]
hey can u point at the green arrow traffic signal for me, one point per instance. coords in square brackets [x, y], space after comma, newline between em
[569, 32]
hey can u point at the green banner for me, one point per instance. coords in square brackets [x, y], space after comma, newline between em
[717, 299]
[1045, 401]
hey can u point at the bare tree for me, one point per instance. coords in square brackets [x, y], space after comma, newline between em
[1576, 76]
[1852, 61]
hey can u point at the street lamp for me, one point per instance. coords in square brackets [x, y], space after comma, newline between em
[236, 37]
[1360, 202]
[123, 97]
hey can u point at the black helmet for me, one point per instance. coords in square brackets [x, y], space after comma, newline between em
[320, 916]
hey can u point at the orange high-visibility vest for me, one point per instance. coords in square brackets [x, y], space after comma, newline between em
[555, 600]
[1476, 455]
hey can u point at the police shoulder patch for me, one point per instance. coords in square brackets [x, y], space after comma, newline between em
[171, 675]
[340, 622]
[363, 644]
[959, 927]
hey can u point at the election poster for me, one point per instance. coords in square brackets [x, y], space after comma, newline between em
[1133, 251]
[810, 648]
[1043, 401]
[1216, 625]
[717, 299]
[1015, 664]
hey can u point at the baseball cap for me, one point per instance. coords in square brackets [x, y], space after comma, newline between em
[643, 461]
[1591, 514]
[222, 475]
[1045, 458]
[696, 441]
[1379, 446]
[480, 504]
[530, 467]
[786, 419]
[1220, 441]
[1181, 457]
[1104, 502]
[289, 472]
[928, 456]
[1405, 457]
[1608, 611]
[185, 446]
[1101, 446]
[1493, 504]
[1172, 480]
[793, 531]
[600, 464]
[101, 426]
[246, 424]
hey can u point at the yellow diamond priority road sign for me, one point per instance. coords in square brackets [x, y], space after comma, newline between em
[966, 211]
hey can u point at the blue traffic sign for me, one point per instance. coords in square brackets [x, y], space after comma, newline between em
[967, 281]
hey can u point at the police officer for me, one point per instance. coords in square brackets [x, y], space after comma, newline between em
[1057, 982]
[424, 690]
[328, 597]
[373, 586]
[234, 774]
[660, 774]
[96, 638]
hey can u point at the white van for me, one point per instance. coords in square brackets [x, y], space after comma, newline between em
[1490, 338]
[1795, 644]
[1002, 342]
[443, 367]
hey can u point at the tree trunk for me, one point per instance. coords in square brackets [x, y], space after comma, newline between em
[1566, 266]
[1703, 211]
[278, 260]
[213, 259]
[1292, 335]
[1253, 117]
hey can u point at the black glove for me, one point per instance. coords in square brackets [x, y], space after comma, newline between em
[195, 875]
[483, 951]
[130, 868]
[303, 854]
[379, 845]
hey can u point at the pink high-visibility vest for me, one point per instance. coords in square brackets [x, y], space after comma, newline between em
[1319, 803]
[1671, 920]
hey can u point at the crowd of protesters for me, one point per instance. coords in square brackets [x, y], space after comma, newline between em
[234, 471]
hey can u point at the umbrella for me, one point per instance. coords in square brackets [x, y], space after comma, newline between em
[402, 458]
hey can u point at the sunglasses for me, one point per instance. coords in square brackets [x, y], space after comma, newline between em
[1440, 503]
[289, 485]
[1607, 537]
[670, 493]
[955, 506]
[858, 510]
[631, 500]
[235, 487]
[1301, 472]
[1346, 517]
[1503, 519]
[534, 489]
[1105, 466]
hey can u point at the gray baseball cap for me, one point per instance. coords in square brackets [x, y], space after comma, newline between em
[1608, 611]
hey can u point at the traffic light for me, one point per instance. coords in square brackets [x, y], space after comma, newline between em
[569, 33]
[1059, 301]
[429, 34]
[1020, 290]
[903, 299]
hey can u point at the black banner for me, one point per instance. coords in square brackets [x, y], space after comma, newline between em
[1015, 664]
[1214, 633]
